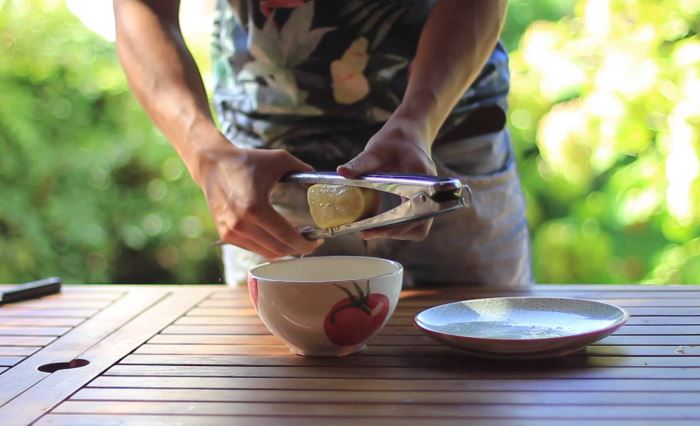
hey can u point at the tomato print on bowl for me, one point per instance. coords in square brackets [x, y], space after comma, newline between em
[253, 290]
[327, 305]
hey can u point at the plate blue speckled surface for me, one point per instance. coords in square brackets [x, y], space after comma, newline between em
[521, 327]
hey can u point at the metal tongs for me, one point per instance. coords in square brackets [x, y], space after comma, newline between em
[426, 196]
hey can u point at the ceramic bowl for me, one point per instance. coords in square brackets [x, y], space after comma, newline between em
[327, 305]
[521, 327]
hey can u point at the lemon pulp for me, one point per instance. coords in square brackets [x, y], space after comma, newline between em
[335, 205]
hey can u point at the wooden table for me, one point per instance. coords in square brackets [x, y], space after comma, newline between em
[199, 355]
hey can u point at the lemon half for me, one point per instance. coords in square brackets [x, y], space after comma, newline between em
[335, 205]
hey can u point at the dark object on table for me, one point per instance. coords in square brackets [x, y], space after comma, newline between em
[31, 290]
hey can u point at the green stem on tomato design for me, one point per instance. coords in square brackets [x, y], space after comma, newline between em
[360, 301]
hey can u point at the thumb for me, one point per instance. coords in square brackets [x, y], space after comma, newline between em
[365, 162]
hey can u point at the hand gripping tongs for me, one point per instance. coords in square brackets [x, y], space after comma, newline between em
[425, 196]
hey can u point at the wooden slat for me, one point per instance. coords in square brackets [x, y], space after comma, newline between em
[647, 411]
[38, 322]
[32, 331]
[9, 361]
[87, 289]
[274, 420]
[93, 289]
[396, 350]
[89, 296]
[227, 310]
[262, 350]
[18, 350]
[219, 320]
[470, 370]
[451, 384]
[58, 313]
[662, 320]
[219, 365]
[627, 330]
[370, 396]
[58, 303]
[454, 359]
[410, 312]
[128, 331]
[216, 329]
[27, 340]
[215, 339]
[74, 343]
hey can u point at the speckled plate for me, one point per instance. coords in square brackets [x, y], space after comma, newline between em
[521, 327]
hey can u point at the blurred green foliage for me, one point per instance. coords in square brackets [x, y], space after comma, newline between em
[606, 119]
[604, 115]
[89, 189]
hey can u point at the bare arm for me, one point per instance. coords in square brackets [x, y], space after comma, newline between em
[164, 77]
[455, 43]
[236, 182]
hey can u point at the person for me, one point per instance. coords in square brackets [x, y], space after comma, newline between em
[356, 86]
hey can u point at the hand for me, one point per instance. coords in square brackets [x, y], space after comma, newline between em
[400, 146]
[237, 185]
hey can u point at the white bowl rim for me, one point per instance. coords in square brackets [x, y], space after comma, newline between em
[398, 269]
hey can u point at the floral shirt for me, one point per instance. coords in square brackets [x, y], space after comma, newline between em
[325, 65]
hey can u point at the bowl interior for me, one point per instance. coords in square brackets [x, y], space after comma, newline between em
[325, 269]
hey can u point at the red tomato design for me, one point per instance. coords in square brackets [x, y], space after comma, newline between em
[253, 290]
[355, 318]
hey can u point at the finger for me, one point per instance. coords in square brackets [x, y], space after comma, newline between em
[279, 228]
[269, 241]
[250, 231]
[250, 245]
[365, 162]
